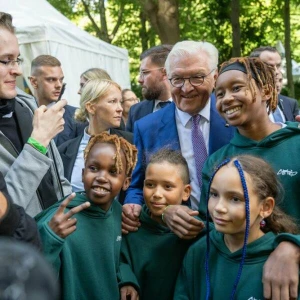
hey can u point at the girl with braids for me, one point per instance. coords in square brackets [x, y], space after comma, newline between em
[85, 250]
[241, 202]
[246, 93]
[100, 103]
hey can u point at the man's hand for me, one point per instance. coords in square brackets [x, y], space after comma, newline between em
[297, 118]
[61, 223]
[130, 217]
[48, 122]
[281, 273]
[128, 292]
[180, 219]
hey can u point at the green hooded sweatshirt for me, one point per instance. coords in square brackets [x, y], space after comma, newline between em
[223, 268]
[87, 260]
[154, 254]
[281, 150]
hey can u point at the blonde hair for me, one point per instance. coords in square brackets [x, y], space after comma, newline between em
[91, 92]
[95, 73]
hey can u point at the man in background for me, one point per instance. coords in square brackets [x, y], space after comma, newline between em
[287, 108]
[47, 80]
[154, 83]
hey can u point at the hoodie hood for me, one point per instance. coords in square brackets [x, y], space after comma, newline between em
[257, 251]
[152, 225]
[271, 140]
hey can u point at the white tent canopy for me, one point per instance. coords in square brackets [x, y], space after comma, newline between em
[41, 29]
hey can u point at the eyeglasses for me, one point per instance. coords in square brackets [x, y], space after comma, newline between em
[145, 72]
[131, 100]
[194, 80]
[11, 63]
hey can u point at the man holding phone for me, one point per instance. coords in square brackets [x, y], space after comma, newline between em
[29, 160]
[47, 80]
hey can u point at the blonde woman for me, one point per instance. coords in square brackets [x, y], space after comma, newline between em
[100, 103]
[90, 74]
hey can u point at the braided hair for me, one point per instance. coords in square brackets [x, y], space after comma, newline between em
[266, 185]
[262, 73]
[120, 143]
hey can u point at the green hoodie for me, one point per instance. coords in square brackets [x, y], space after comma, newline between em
[223, 267]
[88, 259]
[154, 254]
[281, 149]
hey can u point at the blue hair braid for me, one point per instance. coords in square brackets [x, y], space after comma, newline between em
[244, 251]
[225, 162]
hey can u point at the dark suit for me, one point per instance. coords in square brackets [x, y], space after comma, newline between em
[72, 128]
[138, 111]
[289, 107]
[68, 150]
[159, 130]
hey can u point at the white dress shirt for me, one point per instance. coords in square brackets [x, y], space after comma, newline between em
[76, 178]
[184, 128]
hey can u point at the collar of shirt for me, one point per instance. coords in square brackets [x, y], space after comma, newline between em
[86, 136]
[184, 117]
[155, 108]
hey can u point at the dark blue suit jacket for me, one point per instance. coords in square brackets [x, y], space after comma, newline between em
[289, 107]
[159, 130]
[138, 111]
[72, 128]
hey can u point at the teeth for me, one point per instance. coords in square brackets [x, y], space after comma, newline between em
[99, 189]
[231, 111]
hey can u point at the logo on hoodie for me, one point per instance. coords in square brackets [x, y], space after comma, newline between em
[287, 172]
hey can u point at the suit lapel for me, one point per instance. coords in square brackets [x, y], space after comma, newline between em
[219, 134]
[70, 155]
[148, 107]
[24, 118]
[168, 134]
[283, 105]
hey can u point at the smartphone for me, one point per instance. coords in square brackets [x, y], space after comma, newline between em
[62, 91]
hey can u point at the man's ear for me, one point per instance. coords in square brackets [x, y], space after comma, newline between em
[164, 72]
[267, 91]
[267, 207]
[126, 183]
[33, 81]
[186, 192]
[216, 74]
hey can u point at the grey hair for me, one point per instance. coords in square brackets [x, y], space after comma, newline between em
[193, 48]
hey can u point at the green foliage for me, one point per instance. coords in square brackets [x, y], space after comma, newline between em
[261, 23]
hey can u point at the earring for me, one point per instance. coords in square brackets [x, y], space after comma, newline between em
[262, 223]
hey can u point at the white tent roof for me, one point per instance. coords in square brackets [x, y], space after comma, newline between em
[41, 29]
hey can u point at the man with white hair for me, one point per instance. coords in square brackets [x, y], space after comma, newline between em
[191, 124]
[192, 70]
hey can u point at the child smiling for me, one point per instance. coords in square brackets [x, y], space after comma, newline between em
[85, 251]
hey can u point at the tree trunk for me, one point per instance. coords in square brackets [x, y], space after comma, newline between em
[287, 45]
[236, 30]
[164, 18]
[143, 32]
